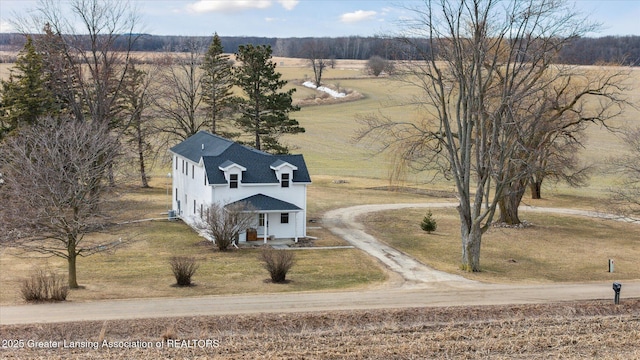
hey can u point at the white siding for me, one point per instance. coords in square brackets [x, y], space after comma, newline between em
[192, 187]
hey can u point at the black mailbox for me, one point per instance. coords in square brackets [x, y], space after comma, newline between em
[617, 287]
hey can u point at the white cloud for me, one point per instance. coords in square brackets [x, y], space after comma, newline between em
[204, 6]
[272, 19]
[288, 4]
[6, 27]
[357, 16]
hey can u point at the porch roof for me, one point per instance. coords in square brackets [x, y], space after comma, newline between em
[261, 202]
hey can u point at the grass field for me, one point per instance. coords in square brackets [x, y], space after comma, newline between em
[140, 268]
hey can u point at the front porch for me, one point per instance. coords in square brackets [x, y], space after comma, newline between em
[275, 219]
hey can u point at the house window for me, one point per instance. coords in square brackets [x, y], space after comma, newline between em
[285, 180]
[176, 163]
[194, 206]
[233, 181]
[205, 178]
[284, 218]
[201, 211]
[192, 171]
[260, 219]
[183, 166]
[187, 169]
[176, 194]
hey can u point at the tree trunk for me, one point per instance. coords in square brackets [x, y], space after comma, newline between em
[471, 240]
[510, 201]
[143, 173]
[71, 261]
[508, 206]
[213, 118]
[257, 121]
[110, 175]
[536, 189]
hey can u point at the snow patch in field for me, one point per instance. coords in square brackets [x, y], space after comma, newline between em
[331, 92]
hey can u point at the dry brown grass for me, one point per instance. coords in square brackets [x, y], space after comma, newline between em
[555, 248]
[592, 329]
[140, 267]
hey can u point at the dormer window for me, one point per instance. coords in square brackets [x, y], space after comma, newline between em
[285, 180]
[233, 181]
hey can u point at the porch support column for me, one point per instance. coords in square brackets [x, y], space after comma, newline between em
[295, 224]
[266, 226]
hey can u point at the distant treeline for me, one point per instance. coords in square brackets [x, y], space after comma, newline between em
[583, 51]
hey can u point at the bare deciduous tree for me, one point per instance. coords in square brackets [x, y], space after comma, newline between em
[87, 52]
[137, 96]
[180, 100]
[316, 52]
[550, 125]
[224, 224]
[54, 188]
[482, 60]
[93, 45]
[626, 194]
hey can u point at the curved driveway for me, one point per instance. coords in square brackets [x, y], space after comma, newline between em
[419, 286]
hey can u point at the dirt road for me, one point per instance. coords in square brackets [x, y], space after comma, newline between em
[417, 285]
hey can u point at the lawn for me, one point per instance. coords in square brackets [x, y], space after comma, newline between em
[140, 267]
[553, 249]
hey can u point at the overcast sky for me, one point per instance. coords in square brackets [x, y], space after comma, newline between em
[308, 18]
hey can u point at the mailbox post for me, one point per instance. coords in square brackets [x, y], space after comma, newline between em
[616, 288]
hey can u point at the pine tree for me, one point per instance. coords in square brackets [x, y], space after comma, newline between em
[264, 111]
[25, 96]
[216, 84]
[428, 223]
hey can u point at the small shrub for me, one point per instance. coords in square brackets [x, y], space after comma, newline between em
[43, 285]
[428, 223]
[183, 269]
[277, 263]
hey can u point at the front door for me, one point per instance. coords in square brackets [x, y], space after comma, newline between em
[262, 221]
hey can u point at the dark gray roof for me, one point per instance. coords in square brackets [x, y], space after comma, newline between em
[219, 151]
[261, 202]
[201, 144]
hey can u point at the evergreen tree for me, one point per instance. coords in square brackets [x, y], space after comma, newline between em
[264, 111]
[25, 96]
[216, 84]
[428, 223]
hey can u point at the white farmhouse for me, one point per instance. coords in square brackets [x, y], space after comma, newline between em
[209, 169]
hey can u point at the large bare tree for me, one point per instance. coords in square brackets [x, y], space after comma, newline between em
[180, 105]
[482, 59]
[316, 52]
[138, 95]
[54, 188]
[90, 48]
[626, 194]
[87, 46]
[550, 126]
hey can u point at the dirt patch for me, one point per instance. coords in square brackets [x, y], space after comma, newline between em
[590, 329]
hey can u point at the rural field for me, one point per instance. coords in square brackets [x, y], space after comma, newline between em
[554, 249]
